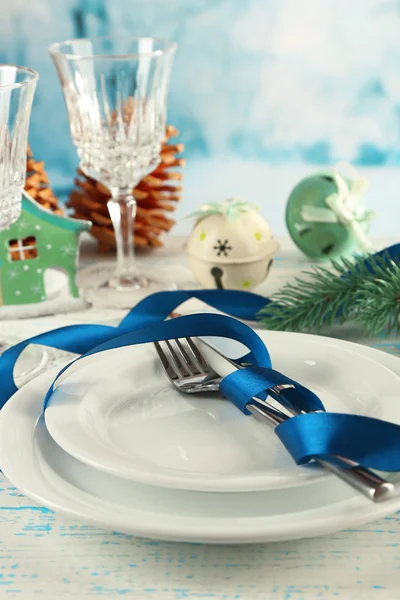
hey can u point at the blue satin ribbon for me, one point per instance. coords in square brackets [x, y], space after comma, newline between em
[391, 252]
[80, 339]
[370, 442]
[190, 325]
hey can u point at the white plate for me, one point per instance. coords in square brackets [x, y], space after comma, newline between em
[32, 461]
[117, 412]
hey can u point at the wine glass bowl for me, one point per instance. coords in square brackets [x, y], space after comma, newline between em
[115, 91]
[17, 88]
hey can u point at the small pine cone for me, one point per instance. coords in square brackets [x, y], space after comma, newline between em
[37, 184]
[156, 195]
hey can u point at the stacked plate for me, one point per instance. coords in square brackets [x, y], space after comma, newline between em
[119, 447]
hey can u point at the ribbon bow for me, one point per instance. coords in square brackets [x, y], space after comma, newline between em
[231, 209]
[344, 206]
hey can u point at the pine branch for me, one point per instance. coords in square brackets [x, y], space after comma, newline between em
[323, 296]
[377, 306]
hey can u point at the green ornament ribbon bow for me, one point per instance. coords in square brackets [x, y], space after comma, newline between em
[344, 206]
[231, 209]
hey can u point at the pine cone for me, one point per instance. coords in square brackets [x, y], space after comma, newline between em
[37, 184]
[155, 195]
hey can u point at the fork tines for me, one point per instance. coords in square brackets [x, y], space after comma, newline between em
[181, 359]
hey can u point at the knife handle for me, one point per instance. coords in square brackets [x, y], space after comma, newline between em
[363, 480]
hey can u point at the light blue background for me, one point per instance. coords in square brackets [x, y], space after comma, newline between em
[261, 81]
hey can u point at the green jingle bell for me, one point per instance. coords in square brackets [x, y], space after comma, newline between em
[325, 216]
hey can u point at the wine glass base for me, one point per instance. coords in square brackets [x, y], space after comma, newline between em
[128, 284]
[103, 289]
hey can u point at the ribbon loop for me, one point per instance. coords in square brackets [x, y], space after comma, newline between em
[240, 386]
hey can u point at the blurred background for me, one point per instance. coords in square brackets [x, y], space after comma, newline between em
[263, 91]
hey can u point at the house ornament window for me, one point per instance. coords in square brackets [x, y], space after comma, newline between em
[23, 249]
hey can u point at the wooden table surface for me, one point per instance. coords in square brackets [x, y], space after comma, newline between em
[43, 554]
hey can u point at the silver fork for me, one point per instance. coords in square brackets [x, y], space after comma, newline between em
[190, 373]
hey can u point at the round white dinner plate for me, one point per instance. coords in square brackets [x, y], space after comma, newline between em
[32, 461]
[116, 411]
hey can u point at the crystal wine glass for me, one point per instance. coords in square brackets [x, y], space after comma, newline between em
[115, 91]
[17, 89]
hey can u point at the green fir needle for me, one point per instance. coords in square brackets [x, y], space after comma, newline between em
[348, 290]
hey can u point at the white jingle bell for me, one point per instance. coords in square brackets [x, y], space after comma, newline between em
[231, 246]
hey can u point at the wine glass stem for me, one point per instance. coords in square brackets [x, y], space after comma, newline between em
[122, 209]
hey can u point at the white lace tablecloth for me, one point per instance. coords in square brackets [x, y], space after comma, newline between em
[43, 554]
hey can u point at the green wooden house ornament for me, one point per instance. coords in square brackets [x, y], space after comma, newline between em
[38, 262]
